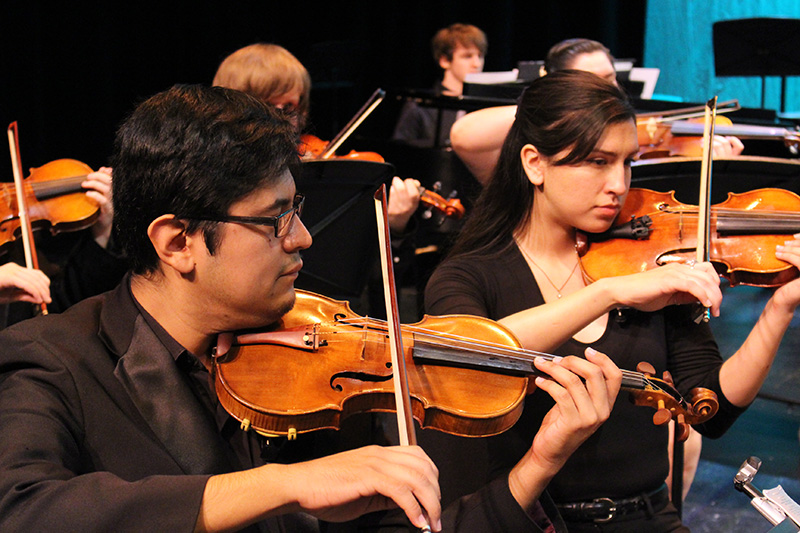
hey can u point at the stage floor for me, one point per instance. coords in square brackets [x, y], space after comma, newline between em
[767, 430]
[714, 506]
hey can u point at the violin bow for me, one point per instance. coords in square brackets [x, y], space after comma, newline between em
[704, 203]
[689, 112]
[31, 259]
[405, 421]
[370, 105]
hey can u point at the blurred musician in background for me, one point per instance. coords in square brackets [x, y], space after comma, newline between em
[478, 136]
[272, 74]
[458, 49]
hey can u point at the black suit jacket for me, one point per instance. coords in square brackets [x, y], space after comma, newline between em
[99, 431]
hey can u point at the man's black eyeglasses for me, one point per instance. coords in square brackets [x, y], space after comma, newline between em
[281, 222]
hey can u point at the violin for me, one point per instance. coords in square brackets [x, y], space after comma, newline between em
[312, 147]
[738, 236]
[54, 199]
[450, 207]
[466, 374]
[680, 138]
[654, 229]
[679, 133]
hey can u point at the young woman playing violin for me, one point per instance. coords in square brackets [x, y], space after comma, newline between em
[565, 167]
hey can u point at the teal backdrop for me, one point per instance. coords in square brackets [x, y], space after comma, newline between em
[678, 40]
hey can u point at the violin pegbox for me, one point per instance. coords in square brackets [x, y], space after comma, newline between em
[669, 404]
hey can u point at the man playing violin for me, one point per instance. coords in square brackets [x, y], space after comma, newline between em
[110, 418]
[478, 136]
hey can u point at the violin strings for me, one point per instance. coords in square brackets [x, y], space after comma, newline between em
[67, 183]
[476, 346]
[634, 379]
[734, 213]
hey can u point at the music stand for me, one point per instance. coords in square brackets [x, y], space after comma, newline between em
[758, 47]
[529, 70]
[339, 213]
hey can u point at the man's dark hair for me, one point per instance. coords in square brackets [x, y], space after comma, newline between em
[193, 150]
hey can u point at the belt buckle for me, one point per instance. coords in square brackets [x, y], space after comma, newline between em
[612, 511]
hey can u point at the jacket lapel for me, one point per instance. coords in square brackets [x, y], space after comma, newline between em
[155, 385]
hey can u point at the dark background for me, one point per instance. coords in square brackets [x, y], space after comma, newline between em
[72, 71]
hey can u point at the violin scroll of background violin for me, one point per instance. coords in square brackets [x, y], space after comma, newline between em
[450, 207]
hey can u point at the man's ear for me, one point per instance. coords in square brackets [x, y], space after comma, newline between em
[533, 163]
[174, 247]
[444, 62]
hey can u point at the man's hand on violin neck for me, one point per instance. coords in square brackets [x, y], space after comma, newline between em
[98, 187]
[346, 485]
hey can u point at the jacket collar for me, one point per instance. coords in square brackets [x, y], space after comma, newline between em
[147, 371]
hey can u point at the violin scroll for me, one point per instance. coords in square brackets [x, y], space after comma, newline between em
[670, 405]
[450, 207]
[704, 402]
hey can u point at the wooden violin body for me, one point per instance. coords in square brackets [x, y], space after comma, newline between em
[466, 374]
[55, 200]
[662, 138]
[343, 367]
[312, 147]
[658, 138]
[654, 229]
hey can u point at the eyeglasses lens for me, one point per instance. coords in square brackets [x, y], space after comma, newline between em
[284, 221]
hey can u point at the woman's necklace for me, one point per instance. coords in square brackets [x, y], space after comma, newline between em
[534, 263]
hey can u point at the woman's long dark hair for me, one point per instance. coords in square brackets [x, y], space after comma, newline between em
[566, 110]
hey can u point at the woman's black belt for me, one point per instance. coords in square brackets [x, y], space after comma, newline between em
[607, 509]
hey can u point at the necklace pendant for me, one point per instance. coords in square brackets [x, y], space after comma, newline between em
[558, 295]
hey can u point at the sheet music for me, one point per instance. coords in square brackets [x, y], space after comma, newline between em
[779, 497]
[492, 77]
